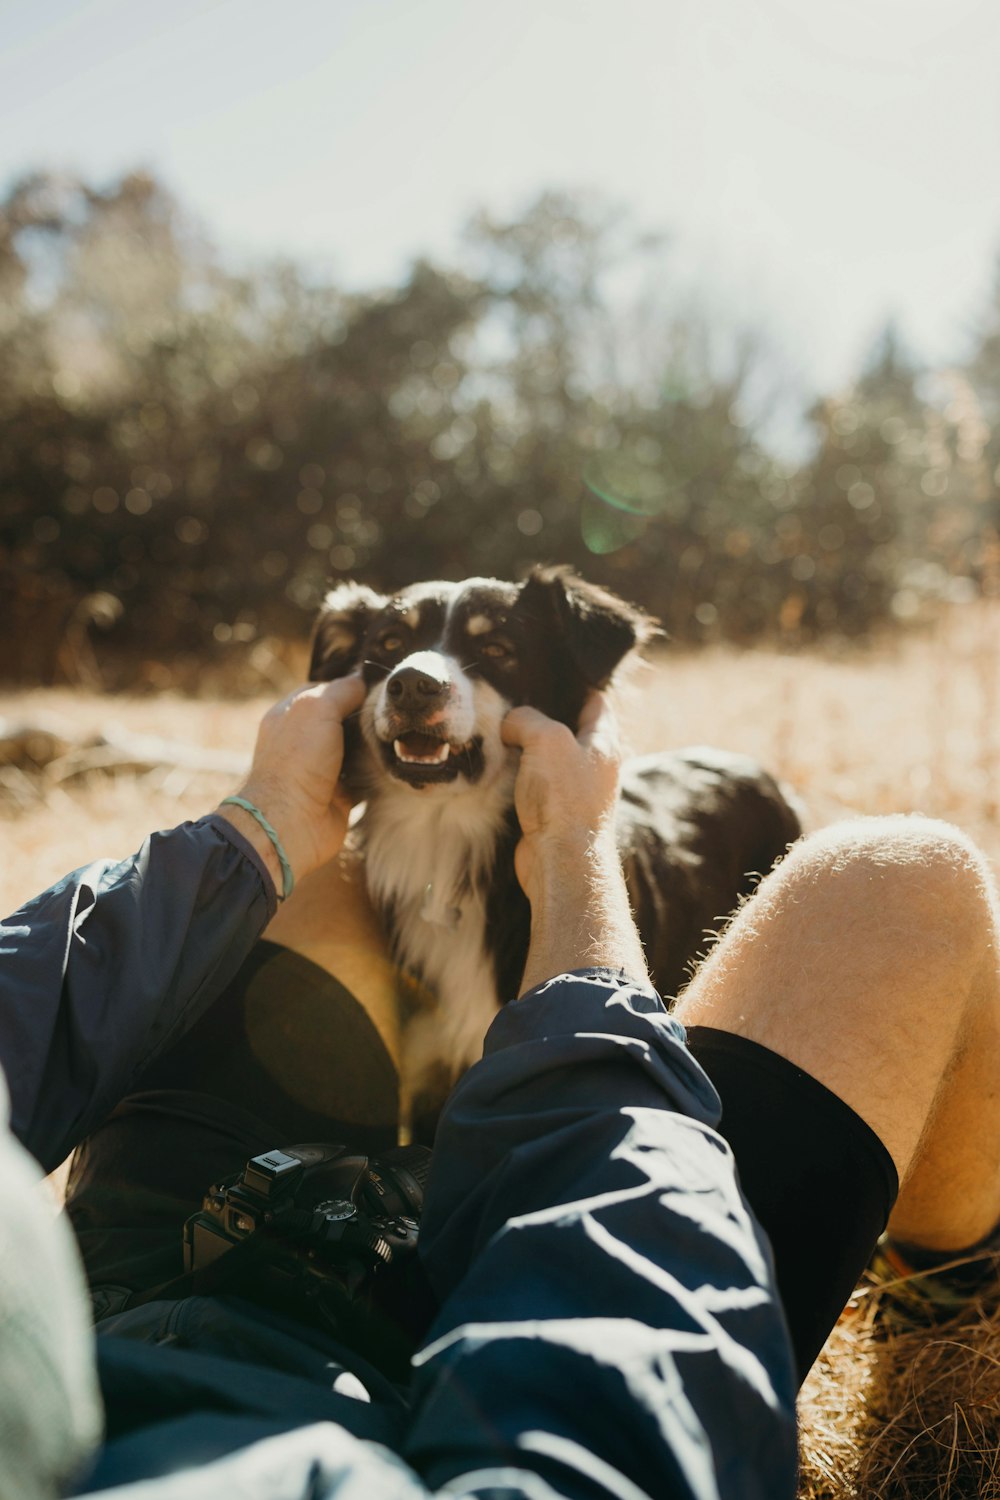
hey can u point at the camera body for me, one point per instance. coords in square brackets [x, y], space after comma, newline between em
[326, 1234]
[351, 1210]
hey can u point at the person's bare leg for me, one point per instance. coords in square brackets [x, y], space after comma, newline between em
[869, 959]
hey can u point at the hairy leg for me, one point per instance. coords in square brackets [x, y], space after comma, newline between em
[869, 959]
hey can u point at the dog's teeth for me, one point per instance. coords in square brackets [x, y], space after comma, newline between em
[436, 758]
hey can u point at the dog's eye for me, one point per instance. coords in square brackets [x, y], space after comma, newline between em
[390, 642]
[497, 650]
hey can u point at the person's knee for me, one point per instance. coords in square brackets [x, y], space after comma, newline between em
[905, 873]
[860, 959]
[859, 920]
[901, 845]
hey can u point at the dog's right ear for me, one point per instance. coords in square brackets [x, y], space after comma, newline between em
[339, 632]
[596, 628]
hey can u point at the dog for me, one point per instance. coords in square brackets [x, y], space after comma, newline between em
[443, 664]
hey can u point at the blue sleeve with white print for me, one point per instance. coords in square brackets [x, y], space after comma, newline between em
[111, 964]
[610, 1321]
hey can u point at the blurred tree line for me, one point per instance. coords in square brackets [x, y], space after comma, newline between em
[189, 454]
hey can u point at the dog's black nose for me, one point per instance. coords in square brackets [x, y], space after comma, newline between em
[410, 688]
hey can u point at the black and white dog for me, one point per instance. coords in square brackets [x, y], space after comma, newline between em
[444, 662]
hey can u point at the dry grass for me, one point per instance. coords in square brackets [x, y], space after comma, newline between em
[111, 815]
[914, 1417]
[910, 725]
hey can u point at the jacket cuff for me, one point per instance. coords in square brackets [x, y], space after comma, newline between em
[243, 845]
[601, 1008]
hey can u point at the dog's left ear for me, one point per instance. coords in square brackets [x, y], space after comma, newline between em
[597, 628]
[339, 631]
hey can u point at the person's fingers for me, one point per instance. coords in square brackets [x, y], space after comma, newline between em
[594, 705]
[598, 724]
[344, 694]
[524, 726]
[598, 728]
[348, 693]
[341, 801]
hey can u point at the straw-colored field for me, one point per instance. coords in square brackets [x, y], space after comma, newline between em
[909, 726]
[912, 725]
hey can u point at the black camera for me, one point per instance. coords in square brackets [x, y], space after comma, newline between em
[327, 1235]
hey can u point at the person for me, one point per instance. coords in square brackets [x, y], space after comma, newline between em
[609, 1319]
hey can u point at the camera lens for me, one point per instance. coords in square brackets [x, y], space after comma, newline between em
[396, 1182]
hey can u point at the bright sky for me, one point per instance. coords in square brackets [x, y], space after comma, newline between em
[819, 164]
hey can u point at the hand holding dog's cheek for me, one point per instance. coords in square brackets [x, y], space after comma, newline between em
[567, 861]
[566, 783]
[566, 787]
[294, 778]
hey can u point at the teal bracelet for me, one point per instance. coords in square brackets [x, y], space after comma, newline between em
[279, 848]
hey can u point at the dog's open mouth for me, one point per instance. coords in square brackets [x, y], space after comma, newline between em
[422, 750]
[420, 758]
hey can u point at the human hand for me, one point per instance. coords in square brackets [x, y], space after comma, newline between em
[567, 861]
[566, 789]
[294, 778]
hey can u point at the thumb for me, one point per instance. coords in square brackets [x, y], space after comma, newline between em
[343, 694]
[523, 726]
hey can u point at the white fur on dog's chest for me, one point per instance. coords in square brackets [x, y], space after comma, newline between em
[428, 861]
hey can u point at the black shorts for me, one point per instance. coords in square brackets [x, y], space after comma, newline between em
[818, 1178]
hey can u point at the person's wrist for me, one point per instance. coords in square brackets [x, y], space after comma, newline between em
[570, 858]
[247, 825]
[284, 844]
[581, 918]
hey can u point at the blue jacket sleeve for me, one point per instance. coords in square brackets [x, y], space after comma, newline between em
[609, 1323]
[105, 969]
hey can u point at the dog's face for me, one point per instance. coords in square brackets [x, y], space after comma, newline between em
[444, 662]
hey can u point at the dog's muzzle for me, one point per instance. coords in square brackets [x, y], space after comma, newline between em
[415, 726]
